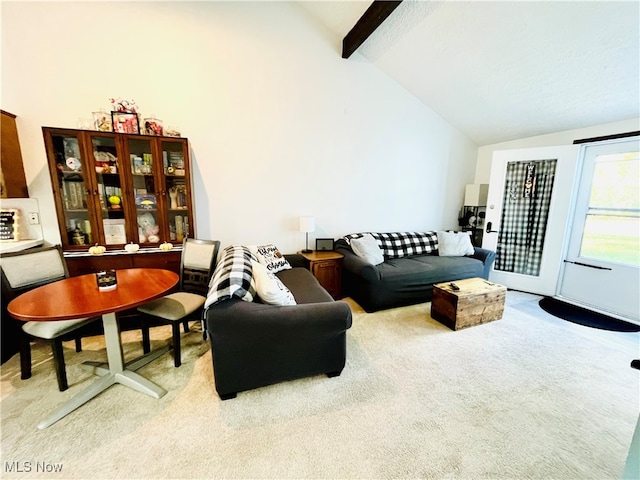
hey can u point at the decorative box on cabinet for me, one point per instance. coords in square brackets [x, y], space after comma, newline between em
[327, 268]
[114, 188]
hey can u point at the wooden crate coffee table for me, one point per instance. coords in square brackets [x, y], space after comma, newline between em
[478, 301]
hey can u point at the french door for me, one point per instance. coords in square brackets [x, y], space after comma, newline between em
[528, 204]
[602, 266]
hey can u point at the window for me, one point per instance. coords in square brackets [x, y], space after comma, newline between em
[612, 227]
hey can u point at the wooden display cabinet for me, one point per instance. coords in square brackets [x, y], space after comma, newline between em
[112, 188]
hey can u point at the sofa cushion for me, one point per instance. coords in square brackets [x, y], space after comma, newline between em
[401, 244]
[454, 244]
[269, 256]
[418, 271]
[270, 288]
[304, 286]
[367, 248]
[233, 276]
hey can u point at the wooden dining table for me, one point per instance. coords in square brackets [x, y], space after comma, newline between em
[80, 297]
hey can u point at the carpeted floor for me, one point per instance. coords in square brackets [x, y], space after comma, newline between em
[528, 396]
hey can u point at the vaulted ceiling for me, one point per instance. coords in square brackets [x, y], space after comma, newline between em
[499, 71]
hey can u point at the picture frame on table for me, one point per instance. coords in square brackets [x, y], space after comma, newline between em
[324, 244]
[125, 122]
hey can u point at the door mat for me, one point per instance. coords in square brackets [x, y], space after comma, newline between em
[585, 317]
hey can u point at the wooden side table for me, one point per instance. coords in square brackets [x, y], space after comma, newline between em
[327, 268]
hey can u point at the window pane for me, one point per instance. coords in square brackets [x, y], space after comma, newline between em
[612, 227]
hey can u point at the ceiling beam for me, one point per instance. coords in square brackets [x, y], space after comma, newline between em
[377, 13]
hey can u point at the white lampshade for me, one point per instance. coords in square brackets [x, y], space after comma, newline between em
[476, 195]
[307, 224]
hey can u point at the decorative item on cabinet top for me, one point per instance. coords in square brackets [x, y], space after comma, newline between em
[153, 126]
[125, 117]
[102, 121]
[125, 122]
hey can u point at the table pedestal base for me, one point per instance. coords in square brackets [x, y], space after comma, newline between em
[117, 372]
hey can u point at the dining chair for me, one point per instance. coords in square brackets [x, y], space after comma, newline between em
[23, 271]
[197, 262]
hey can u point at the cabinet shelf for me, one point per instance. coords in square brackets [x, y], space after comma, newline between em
[72, 177]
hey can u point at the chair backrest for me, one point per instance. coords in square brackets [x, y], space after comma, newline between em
[27, 269]
[197, 263]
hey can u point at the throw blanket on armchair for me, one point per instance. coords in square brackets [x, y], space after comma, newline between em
[233, 276]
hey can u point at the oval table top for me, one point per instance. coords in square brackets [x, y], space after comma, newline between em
[79, 297]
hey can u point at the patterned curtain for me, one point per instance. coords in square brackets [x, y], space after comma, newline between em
[527, 196]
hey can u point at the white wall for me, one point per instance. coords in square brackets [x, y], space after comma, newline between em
[279, 124]
[485, 153]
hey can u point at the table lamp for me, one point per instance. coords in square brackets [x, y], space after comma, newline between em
[307, 224]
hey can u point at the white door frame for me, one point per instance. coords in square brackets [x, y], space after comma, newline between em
[555, 240]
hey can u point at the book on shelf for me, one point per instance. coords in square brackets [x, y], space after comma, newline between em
[73, 195]
[175, 164]
[142, 165]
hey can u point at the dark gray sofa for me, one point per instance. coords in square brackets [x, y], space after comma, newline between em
[407, 280]
[255, 344]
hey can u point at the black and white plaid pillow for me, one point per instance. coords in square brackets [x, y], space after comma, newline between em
[402, 244]
[233, 276]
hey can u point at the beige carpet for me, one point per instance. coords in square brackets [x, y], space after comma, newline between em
[528, 396]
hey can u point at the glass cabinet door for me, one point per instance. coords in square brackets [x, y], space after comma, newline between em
[176, 190]
[71, 170]
[112, 188]
[145, 193]
[109, 189]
